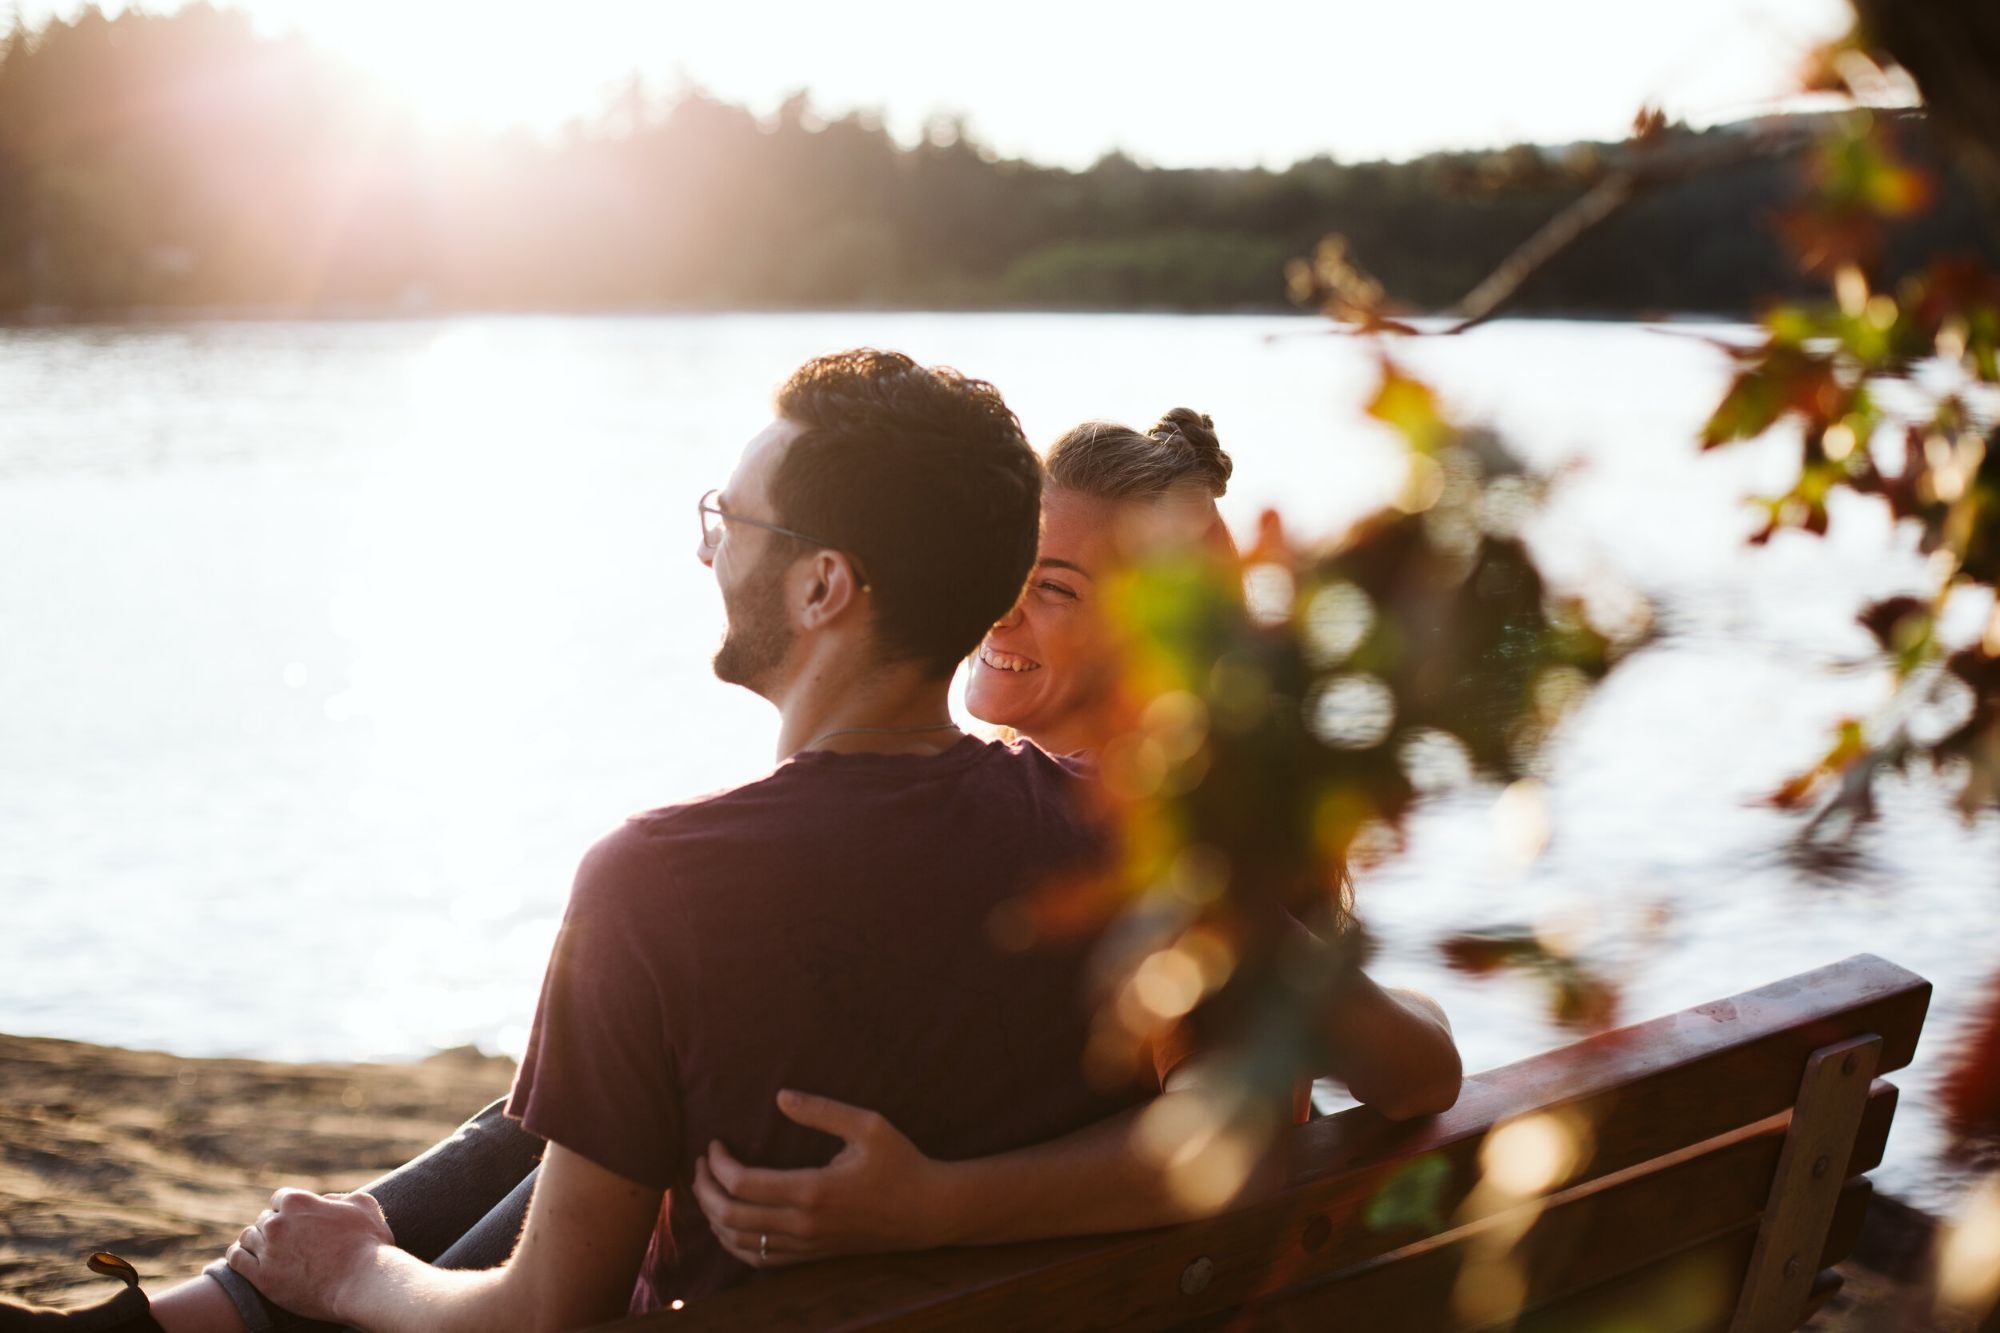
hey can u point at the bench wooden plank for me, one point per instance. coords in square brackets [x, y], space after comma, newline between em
[1647, 1091]
[1578, 1239]
[1803, 1187]
[1695, 1291]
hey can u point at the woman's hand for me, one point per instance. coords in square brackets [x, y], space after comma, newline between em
[879, 1193]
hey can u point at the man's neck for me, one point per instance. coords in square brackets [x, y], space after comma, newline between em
[864, 707]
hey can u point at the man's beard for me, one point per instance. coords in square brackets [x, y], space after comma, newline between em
[758, 634]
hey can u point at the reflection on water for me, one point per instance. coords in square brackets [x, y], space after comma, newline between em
[325, 649]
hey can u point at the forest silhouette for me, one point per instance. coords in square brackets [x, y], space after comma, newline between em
[186, 162]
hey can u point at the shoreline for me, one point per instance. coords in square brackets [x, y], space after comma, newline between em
[164, 1158]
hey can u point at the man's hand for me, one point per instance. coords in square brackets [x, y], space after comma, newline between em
[879, 1193]
[305, 1247]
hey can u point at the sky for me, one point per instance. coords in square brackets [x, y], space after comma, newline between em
[1250, 82]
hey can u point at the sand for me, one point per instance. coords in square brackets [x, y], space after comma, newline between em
[163, 1159]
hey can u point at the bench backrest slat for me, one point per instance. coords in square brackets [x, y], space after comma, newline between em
[1694, 1291]
[1578, 1239]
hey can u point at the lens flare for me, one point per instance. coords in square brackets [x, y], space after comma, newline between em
[1969, 1252]
[1528, 1157]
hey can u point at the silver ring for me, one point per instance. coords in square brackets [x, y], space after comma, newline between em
[763, 1246]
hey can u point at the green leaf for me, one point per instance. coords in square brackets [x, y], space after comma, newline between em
[1752, 404]
[1413, 1197]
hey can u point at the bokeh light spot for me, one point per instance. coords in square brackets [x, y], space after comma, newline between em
[1268, 590]
[1521, 824]
[1178, 722]
[1423, 485]
[1133, 767]
[1435, 761]
[1527, 1157]
[1199, 874]
[1489, 1290]
[1337, 620]
[1969, 1252]
[1352, 712]
[1207, 1142]
[1558, 689]
[1505, 505]
[1168, 983]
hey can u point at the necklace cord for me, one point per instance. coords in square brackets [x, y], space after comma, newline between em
[876, 731]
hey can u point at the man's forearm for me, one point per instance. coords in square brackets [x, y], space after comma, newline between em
[395, 1291]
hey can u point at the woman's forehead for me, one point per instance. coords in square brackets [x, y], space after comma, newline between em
[1079, 530]
[1094, 532]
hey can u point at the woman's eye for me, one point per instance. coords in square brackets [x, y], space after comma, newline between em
[1060, 590]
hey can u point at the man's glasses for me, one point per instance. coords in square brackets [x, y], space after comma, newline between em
[715, 522]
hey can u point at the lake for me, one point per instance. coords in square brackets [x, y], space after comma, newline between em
[326, 648]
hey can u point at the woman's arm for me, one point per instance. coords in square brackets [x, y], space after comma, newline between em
[881, 1193]
[1392, 1048]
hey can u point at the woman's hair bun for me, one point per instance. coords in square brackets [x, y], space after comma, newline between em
[1114, 462]
[1195, 431]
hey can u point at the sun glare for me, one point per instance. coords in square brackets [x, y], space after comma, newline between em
[451, 68]
[1582, 74]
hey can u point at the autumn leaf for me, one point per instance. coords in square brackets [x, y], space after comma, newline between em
[1410, 407]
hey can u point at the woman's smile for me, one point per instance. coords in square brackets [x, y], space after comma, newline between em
[1002, 661]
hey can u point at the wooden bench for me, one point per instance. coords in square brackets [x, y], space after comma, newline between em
[1699, 1171]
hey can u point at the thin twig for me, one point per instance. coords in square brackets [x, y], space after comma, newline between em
[1606, 199]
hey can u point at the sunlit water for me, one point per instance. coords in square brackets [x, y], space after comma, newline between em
[325, 649]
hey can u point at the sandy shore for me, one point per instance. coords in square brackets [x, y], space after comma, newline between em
[164, 1159]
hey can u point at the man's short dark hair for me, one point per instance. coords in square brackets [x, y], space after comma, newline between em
[923, 476]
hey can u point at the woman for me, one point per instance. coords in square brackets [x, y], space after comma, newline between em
[1048, 671]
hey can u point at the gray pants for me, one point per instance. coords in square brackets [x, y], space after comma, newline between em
[460, 1205]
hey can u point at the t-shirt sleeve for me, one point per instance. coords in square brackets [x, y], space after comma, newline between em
[599, 1075]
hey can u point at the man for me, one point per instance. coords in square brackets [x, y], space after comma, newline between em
[826, 928]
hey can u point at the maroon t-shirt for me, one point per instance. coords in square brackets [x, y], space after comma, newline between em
[827, 928]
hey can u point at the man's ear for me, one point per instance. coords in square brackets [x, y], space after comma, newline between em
[831, 589]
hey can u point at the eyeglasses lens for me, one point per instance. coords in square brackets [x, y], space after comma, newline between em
[711, 521]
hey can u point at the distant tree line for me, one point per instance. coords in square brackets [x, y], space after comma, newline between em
[185, 161]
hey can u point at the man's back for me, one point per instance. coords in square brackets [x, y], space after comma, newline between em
[838, 927]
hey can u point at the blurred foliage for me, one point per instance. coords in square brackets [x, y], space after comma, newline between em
[1286, 733]
[1413, 1197]
[1578, 996]
[182, 160]
[1971, 1089]
[1891, 390]
[1286, 711]
[1887, 378]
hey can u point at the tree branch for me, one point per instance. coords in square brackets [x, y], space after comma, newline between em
[1650, 169]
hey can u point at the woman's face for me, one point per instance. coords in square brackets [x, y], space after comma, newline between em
[1047, 668]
